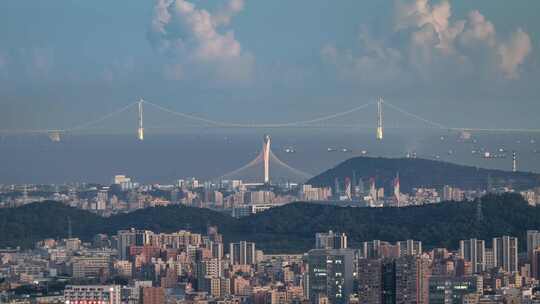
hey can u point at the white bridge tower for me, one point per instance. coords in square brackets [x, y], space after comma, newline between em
[379, 119]
[266, 159]
[140, 130]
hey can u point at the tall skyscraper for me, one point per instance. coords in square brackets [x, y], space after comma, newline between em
[535, 263]
[388, 285]
[443, 289]
[330, 240]
[242, 253]
[533, 242]
[505, 253]
[370, 280]
[473, 251]
[412, 277]
[330, 275]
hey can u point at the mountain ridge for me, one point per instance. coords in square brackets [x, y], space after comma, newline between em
[290, 228]
[417, 172]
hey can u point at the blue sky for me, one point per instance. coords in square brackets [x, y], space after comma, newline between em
[471, 63]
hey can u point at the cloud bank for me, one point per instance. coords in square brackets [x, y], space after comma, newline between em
[427, 40]
[198, 42]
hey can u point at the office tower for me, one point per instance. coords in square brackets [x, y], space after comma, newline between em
[370, 280]
[242, 253]
[153, 295]
[412, 277]
[330, 274]
[535, 263]
[410, 247]
[505, 253]
[533, 242]
[109, 294]
[330, 240]
[388, 284]
[473, 251]
[443, 289]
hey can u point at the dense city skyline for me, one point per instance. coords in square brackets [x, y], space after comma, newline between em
[269, 152]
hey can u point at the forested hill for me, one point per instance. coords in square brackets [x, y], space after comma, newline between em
[414, 172]
[290, 228]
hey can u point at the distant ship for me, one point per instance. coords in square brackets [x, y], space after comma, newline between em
[289, 150]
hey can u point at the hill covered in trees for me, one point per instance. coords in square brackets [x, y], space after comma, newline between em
[290, 228]
[415, 172]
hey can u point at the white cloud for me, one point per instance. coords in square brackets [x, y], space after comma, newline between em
[373, 63]
[434, 31]
[478, 29]
[513, 53]
[198, 39]
[435, 46]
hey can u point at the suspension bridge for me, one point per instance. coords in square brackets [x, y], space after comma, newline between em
[318, 122]
[259, 168]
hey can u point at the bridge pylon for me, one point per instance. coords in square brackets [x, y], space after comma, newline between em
[379, 119]
[266, 158]
[140, 130]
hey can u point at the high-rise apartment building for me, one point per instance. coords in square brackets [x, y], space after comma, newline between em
[410, 247]
[330, 240]
[412, 277]
[535, 263]
[370, 281]
[505, 253]
[242, 253]
[473, 251]
[443, 289]
[330, 275]
[533, 242]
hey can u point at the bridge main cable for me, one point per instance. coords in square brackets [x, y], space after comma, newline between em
[244, 125]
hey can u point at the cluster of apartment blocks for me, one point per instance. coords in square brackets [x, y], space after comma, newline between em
[402, 272]
[157, 264]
